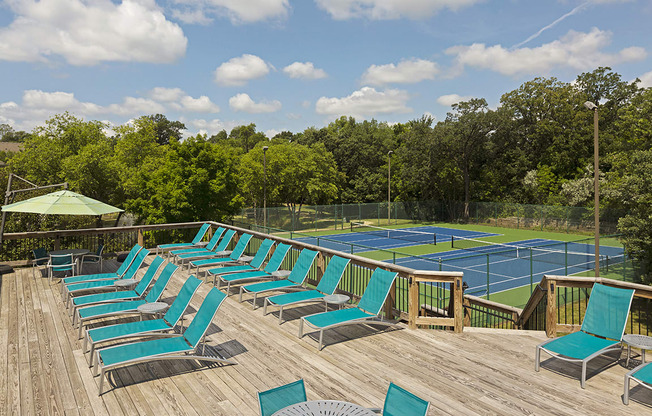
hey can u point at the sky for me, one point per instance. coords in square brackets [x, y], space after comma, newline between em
[287, 65]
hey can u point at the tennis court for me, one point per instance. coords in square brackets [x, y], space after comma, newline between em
[499, 267]
[487, 267]
[367, 238]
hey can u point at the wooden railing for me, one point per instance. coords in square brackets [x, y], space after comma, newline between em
[402, 302]
[558, 304]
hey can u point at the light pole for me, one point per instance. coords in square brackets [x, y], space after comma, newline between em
[596, 176]
[389, 186]
[265, 187]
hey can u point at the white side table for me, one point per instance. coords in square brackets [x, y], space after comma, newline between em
[336, 299]
[125, 284]
[154, 308]
[638, 341]
[245, 259]
[280, 274]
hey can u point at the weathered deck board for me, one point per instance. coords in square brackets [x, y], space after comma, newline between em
[473, 373]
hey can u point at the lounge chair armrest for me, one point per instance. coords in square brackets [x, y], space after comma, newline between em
[375, 409]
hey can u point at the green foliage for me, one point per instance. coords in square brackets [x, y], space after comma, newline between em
[629, 184]
[296, 175]
[165, 129]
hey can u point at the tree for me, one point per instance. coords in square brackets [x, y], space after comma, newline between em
[246, 137]
[165, 129]
[470, 126]
[296, 175]
[194, 180]
[629, 185]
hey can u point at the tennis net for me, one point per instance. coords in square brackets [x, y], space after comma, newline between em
[546, 253]
[414, 236]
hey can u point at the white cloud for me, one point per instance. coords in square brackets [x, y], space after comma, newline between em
[365, 102]
[202, 104]
[242, 102]
[406, 72]
[646, 80]
[177, 99]
[131, 106]
[192, 17]
[166, 94]
[304, 70]
[238, 71]
[451, 99]
[390, 9]
[238, 11]
[89, 32]
[576, 50]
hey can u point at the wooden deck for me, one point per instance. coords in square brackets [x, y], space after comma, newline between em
[478, 372]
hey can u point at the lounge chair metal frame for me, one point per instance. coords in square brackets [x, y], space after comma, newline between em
[630, 376]
[190, 286]
[186, 354]
[130, 307]
[593, 331]
[219, 251]
[294, 281]
[118, 296]
[368, 317]
[198, 237]
[242, 263]
[330, 278]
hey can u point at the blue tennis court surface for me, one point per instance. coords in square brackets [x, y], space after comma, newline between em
[502, 268]
[357, 242]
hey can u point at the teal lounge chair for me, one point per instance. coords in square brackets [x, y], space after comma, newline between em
[148, 327]
[198, 237]
[400, 402]
[177, 347]
[234, 257]
[90, 313]
[107, 276]
[241, 277]
[220, 250]
[74, 289]
[294, 281]
[642, 375]
[327, 285]
[272, 400]
[367, 311]
[119, 295]
[601, 332]
[254, 265]
[212, 243]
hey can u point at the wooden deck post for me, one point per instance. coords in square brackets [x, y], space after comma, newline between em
[141, 237]
[390, 303]
[551, 309]
[413, 302]
[458, 306]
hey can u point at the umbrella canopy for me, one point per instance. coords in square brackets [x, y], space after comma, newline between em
[62, 202]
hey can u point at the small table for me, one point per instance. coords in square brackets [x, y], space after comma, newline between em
[336, 299]
[245, 259]
[125, 283]
[76, 252]
[639, 341]
[154, 308]
[280, 274]
[324, 407]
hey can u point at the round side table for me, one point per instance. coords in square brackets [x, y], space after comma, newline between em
[154, 308]
[125, 284]
[280, 274]
[336, 299]
[638, 341]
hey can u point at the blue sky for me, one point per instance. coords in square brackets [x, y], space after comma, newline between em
[290, 65]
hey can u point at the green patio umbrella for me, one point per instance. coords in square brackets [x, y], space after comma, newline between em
[62, 202]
